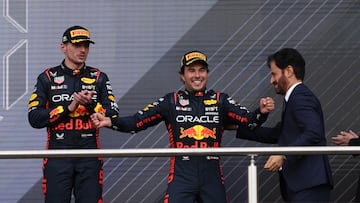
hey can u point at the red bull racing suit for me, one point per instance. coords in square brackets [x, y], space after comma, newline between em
[193, 120]
[48, 107]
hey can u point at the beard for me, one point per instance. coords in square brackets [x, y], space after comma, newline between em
[281, 85]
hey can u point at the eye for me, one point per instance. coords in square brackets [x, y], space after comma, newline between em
[82, 44]
[203, 70]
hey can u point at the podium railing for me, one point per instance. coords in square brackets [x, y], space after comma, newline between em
[252, 152]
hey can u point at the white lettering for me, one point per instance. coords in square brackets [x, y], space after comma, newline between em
[88, 87]
[61, 97]
[196, 119]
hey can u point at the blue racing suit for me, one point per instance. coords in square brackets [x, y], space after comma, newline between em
[48, 107]
[193, 120]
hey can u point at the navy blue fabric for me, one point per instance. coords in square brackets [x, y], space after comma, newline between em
[197, 179]
[84, 175]
[302, 124]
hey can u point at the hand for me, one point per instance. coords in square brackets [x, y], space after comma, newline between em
[99, 120]
[343, 138]
[83, 97]
[267, 105]
[274, 163]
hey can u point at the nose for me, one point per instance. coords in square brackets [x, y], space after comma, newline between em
[197, 73]
[271, 80]
[83, 48]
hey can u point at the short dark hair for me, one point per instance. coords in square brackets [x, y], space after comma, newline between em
[289, 56]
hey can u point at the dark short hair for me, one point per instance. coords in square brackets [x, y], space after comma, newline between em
[289, 56]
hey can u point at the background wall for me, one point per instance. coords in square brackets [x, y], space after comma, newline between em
[139, 44]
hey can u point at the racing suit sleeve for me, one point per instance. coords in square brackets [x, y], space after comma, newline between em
[240, 115]
[260, 134]
[39, 115]
[150, 115]
[106, 102]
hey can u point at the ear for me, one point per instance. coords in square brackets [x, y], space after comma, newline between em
[289, 71]
[182, 77]
[62, 47]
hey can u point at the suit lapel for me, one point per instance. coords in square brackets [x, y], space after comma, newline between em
[285, 103]
[283, 109]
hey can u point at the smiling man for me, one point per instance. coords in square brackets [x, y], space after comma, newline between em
[195, 118]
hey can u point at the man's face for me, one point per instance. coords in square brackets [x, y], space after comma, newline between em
[75, 54]
[195, 77]
[278, 79]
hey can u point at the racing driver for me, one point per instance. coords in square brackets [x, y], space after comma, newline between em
[194, 118]
[63, 99]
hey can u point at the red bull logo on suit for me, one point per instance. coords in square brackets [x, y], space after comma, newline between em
[198, 133]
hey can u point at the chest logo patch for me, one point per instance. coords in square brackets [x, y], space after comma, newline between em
[198, 132]
[183, 102]
[59, 79]
[210, 102]
[88, 80]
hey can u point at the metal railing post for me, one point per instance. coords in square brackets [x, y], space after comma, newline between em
[252, 181]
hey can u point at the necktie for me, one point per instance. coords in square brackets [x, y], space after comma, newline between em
[284, 105]
[283, 109]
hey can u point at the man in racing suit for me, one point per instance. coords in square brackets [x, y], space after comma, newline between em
[62, 101]
[194, 118]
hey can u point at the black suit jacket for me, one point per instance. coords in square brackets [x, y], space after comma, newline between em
[302, 124]
[356, 142]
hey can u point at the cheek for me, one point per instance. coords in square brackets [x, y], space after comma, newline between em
[205, 76]
[282, 81]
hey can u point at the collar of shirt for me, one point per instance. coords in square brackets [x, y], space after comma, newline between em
[290, 90]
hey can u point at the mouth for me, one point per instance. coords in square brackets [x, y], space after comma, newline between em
[82, 57]
[197, 82]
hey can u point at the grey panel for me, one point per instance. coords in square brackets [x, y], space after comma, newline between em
[237, 36]
[16, 75]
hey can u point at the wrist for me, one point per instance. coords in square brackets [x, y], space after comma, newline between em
[72, 107]
[261, 116]
[108, 122]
